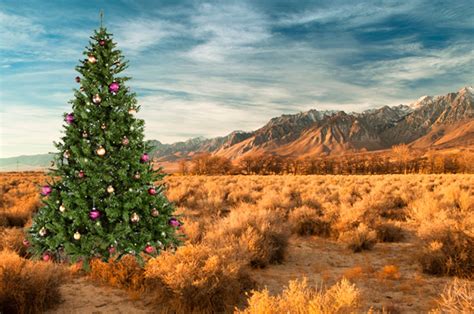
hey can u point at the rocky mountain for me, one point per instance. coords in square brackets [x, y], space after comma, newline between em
[429, 123]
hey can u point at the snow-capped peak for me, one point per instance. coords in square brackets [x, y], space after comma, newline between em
[467, 89]
[421, 102]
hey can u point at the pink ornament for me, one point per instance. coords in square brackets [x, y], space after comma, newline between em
[46, 257]
[114, 87]
[26, 242]
[111, 250]
[152, 191]
[149, 249]
[144, 158]
[174, 222]
[102, 42]
[94, 214]
[46, 190]
[69, 118]
[81, 174]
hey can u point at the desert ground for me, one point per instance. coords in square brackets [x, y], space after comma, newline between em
[268, 244]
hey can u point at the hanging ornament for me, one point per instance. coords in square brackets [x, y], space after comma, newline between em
[135, 218]
[114, 88]
[132, 110]
[66, 154]
[85, 134]
[82, 88]
[46, 190]
[174, 222]
[149, 249]
[155, 212]
[81, 174]
[103, 126]
[144, 158]
[77, 235]
[125, 141]
[152, 191]
[91, 59]
[100, 151]
[136, 176]
[69, 118]
[94, 214]
[46, 257]
[96, 99]
[42, 232]
[110, 189]
[78, 79]
[111, 250]
[62, 208]
[102, 42]
[26, 243]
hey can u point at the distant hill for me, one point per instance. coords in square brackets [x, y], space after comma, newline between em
[441, 122]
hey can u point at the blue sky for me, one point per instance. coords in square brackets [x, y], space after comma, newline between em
[208, 68]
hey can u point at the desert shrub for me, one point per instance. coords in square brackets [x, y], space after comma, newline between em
[450, 253]
[299, 298]
[388, 232]
[258, 234]
[197, 278]
[457, 297]
[359, 239]
[12, 239]
[308, 221]
[124, 273]
[194, 230]
[27, 286]
[390, 272]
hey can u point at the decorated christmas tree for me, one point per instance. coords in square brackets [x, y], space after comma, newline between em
[101, 199]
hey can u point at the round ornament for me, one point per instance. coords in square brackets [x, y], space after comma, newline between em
[125, 141]
[152, 191]
[94, 214]
[174, 222]
[103, 126]
[149, 249]
[132, 110]
[81, 174]
[85, 134]
[96, 99]
[66, 154]
[42, 232]
[145, 158]
[78, 79]
[136, 176]
[114, 88]
[62, 208]
[100, 151]
[111, 250]
[69, 118]
[91, 59]
[155, 212]
[135, 218]
[102, 42]
[46, 257]
[46, 190]
[26, 243]
[77, 235]
[110, 189]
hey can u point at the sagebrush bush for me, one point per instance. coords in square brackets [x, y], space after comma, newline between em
[12, 239]
[27, 286]
[197, 279]
[124, 273]
[305, 220]
[388, 232]
[457, 297]
[450, 253]
[360, 239]
[343, 297]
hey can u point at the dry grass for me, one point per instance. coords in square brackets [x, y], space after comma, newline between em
[306, 220]
[197, 278]
[26, 286]
[343, 297]
[457, 297]
[360, 239]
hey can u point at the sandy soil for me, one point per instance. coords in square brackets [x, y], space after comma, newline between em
[322, 261]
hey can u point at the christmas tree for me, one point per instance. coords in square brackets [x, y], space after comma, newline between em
[101, 199]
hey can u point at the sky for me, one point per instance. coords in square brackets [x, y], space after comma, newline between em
[206, 68]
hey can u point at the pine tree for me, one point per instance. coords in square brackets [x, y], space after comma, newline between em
[101, 199]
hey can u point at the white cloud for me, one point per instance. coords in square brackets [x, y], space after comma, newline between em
[17, 31]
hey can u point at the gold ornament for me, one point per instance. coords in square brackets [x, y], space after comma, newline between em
[96, 99]
[91, 59]
[132, 110]
[42, 231]
[77, 235]
[125, 141]
[62, 208]
[103, 126]
[100, 151]
[85, 134]
[136, 175]
[135, 218]
[66, 154]
[110, 189]
[155, 212]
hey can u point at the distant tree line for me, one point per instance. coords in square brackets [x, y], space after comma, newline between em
[399, 160]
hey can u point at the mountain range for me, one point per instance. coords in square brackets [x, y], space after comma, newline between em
[441, 122]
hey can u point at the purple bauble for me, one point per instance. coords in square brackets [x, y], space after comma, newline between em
[174, 222]
[69, 118]
[46, 190]
[114, 87]
[102, 42]
[144, 158]
[94, 214]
